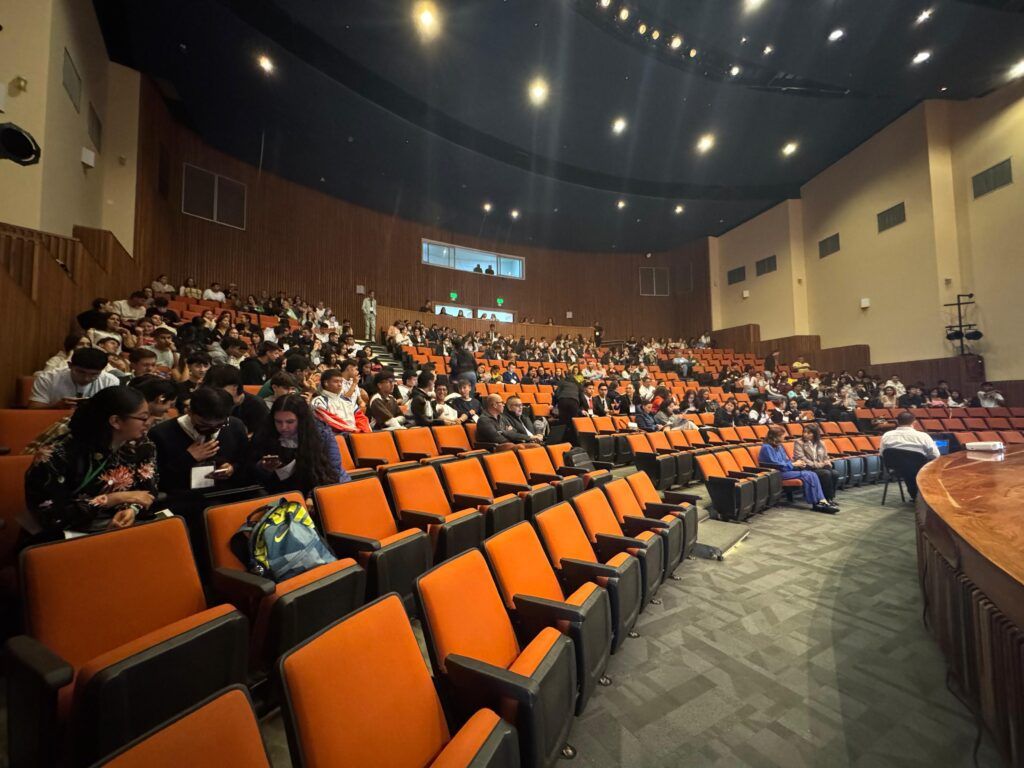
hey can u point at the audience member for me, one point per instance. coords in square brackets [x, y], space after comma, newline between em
[65, 388]
[60, 360]
[810, 453]
[249, 409]
[916, 448]
[989, 397]
[133, 308]
[334, 405]
[190, 290]
[384, 411]
[466, 405]
[773, 455]
[214, 293]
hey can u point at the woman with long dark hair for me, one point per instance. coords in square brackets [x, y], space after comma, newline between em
[293, 451]
[773, 455]
[102, 474]
[812, 452]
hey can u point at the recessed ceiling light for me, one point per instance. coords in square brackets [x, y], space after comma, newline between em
[924, 15]
[265, 63]
[621, 204]
[427, 18]
[836, 34]
[642, 28]
[624, 14]
[706, 142]
[734, 70]
[487, 207]
[679, 209]
[944, 88]
[677, 41]
[538, 91]
[743, 41]
[619, 125]
[693, 52]
[768, 50]
[514, 213]
[749, 6]
[921, 56]
[605, 3]
[790, 148]
[655, 34]
[1017, 70]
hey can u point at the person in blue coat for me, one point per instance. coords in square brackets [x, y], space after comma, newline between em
[294, 451]
[774, 455]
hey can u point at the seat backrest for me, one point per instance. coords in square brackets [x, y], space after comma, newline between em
[358, 508]
[557, 453]
[535, 461]
[20, 426]
[953, 424]
[466, 476]
[417, 440]
[520, 565]
[728, 433]
[709, 466]
[727, 461]
[745, 433]
[988, 436]
[376, 445]
[761, 430]
[638, 443]
[707, 419]
[596, 514]
[351, 684]
[844, 444]
[418, 489]
[830, 428]
[997, 422]
[677, 438]
[658, 440]
[795, 428]
[621, 498]
[603, 423]
[643, 489]
[224, 520]
[346, 455]
[584, 425]
[742, 458]
[503, 467]
[88, 595]
[451, 436]
[563, 535]
[12, 491]
[464, 614]
[861, 443]
[848, 428]
[830, 446]
[974, 422]
[219, 733]
[695, 437]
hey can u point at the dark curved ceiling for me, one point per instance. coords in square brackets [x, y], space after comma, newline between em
[359, 106]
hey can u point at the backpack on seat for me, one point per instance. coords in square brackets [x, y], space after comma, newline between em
[278, 541]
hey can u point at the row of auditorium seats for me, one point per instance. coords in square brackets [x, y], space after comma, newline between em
[524, 632]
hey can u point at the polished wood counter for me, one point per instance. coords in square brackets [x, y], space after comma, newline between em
[970, 547]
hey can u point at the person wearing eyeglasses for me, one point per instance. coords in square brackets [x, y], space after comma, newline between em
[101, 475]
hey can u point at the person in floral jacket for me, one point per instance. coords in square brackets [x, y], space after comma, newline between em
[101, 475]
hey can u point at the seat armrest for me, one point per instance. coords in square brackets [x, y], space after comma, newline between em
[603, 465]
[538, 610]
[571, 471]
[544, 477]
[370, 462]
[656, 510]
[35, 675]
[501, 488]
[449, 450]
[350, 545]
[463, 500]
[486, 682]
[610, 543]
[665, 451]
[415, 456]
[242, 589]
[769, 465]
[634, 526]
[419, 518]
[30, 659]
[679, 497]
[576, 573]
[4, 450]
[741, 475]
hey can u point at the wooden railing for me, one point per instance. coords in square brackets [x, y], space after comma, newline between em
[18, 257]
[67, 252]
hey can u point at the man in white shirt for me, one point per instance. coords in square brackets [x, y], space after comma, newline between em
[64, 388]
[131, 309]
[913, 441]
[646, 389]
[990, 397]
[214, 293]
[370, 316]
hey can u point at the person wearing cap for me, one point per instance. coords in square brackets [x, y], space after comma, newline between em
[384, 411]
[66, 387]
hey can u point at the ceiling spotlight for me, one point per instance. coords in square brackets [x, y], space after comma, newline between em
[734, 70]
[514, 213]
[835, 34]
[944, 88]
[642, 28]
[538, 91]
[973, 335]
[679, 209]
[624, 14]
[655, 34]
[1017, 70]
[790, 148]
[923, 16]
[767, 50]
[605, 3]
[921, 57]
[954, 335]
[677, 41]
[427, 18]
[743, 41]
[487, 207]
[265, 63]
[619, 125]
[693, 53]
[706, 142]
[749, 6]
[621, 204]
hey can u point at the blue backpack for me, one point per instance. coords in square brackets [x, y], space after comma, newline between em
[279, 541]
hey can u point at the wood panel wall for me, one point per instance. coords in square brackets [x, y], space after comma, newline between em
[386, 315]
[320, 247]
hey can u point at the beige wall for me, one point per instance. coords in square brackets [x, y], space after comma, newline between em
[60, 191]
[949, 243]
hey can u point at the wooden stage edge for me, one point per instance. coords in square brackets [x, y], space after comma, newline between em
[970, 554]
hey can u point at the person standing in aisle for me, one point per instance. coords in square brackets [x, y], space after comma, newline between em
[370, 316]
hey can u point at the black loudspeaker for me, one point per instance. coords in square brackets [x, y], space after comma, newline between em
[17, 145]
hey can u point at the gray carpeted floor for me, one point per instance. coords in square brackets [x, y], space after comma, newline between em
[803, 648]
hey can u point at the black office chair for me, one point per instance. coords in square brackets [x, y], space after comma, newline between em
[902, 466]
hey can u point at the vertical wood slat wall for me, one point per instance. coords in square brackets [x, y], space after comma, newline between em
[320, 247]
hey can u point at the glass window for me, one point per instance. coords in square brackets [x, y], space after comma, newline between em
[495, 315]
[510, 267]
[471, 260]
[452, 310]
[437, 254]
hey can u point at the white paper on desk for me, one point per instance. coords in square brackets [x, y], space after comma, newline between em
[283, 473]
[200, 477]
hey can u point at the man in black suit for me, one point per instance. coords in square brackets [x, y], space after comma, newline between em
[494, 428]
[587, 400]
[600, 403]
